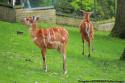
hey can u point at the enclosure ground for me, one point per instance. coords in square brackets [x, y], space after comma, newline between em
[21, 60]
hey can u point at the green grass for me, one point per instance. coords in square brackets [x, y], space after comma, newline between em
[21, 60]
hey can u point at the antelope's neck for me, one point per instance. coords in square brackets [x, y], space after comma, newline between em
[33, 29]
[87, 18]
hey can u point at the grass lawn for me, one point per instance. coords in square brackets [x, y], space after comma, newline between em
[21, 60]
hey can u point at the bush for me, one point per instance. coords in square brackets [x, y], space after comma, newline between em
[64, 6]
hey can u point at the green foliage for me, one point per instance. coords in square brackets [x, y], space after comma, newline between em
[86, 5]
[63, 6]
[105, 9]
[41, 3]
[21, 61]
[4, 1]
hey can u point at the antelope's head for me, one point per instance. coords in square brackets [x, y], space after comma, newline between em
[86, 14]
[30, 20]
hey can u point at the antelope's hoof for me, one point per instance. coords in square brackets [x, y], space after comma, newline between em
[45, 70]
[65, 72]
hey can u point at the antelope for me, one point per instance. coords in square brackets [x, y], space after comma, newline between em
[50, 38]
[87, 31]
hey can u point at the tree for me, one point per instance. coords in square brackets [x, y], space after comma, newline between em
[105, 8]
[119, 27]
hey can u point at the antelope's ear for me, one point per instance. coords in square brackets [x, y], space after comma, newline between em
[82, 11]
[35, 18]
[90, 13]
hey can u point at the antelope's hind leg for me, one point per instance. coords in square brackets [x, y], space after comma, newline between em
[64, 64]
[89, 50]
[64, 60]
[83, 52]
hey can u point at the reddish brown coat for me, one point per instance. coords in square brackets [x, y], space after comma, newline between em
[52, 38]
[85, 25]
[87, 30]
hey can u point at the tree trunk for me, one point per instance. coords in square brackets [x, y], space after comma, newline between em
[119, 27]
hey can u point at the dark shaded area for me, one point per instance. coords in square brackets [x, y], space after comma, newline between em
[123, 55]
[19, 32]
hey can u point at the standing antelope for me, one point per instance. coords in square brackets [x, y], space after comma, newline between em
[51, 38]
[86, 30]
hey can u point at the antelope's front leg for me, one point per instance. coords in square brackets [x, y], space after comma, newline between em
[44, 59]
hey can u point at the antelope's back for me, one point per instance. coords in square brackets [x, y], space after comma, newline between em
[86, 30]
[60, 34]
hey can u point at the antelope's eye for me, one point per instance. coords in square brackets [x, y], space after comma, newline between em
[27, 19]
